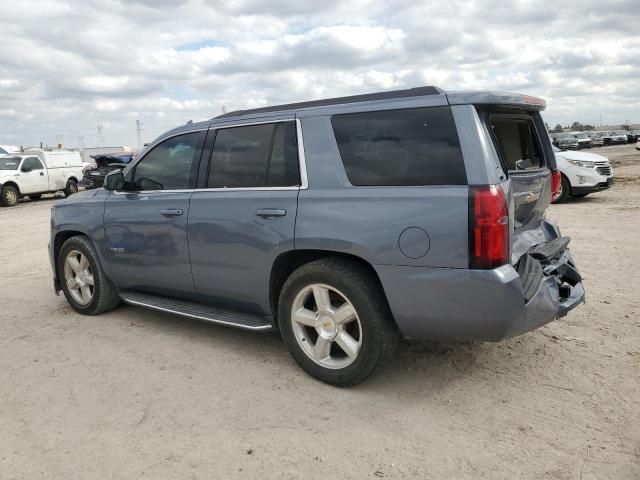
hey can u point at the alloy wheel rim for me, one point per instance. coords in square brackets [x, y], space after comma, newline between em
[12, 197]
[326, 326]
[79, 277]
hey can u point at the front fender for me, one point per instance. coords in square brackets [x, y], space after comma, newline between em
[81, 214]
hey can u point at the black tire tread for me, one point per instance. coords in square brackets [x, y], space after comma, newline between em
[67, 191]
[3, 199]
[566, 191]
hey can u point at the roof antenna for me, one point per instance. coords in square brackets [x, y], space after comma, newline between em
[189, 122]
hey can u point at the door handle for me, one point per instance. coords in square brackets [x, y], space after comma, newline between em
[271, 212]
[42, 174]
[171, 212]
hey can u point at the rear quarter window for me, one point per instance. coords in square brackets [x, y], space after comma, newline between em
[518, 142]
[408, 147]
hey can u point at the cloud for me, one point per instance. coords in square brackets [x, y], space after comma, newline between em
[67, 66]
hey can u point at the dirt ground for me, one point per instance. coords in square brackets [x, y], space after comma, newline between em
[138, 394]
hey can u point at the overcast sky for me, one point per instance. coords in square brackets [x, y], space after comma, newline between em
[68, 65]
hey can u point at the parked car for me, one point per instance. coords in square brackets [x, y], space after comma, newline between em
[566, 141]
[36, 172]
[638, 144]
[618, 137]
[633, 136]
[345, 223]
[88, 153]
[600, 138]
[582, 173]
[94, 173]
[584, 141]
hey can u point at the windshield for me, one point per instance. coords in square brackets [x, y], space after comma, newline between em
[9, 163]
[565, 135]
[581, 135]
[620, 132]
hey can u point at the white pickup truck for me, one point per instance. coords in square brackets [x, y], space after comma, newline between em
[34, 172]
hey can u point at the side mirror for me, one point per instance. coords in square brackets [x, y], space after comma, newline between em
[114, 181]
[26, 169]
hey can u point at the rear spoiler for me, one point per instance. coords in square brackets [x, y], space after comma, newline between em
[496, 98]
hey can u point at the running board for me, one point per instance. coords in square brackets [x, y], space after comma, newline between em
[196, 310]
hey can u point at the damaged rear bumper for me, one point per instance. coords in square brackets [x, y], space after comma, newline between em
[448, 304]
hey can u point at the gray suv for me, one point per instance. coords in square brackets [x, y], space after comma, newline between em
[345, 223]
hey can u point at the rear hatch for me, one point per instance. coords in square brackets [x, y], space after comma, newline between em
[537, 250]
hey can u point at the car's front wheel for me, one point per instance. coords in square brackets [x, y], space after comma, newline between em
[85, 286]
[335, 321]
[9, 196]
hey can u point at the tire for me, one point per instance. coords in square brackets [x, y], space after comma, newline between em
[103, 294]
[9, 196]
[369, 332]
[71, 188]
[565, 191]
[35, 196]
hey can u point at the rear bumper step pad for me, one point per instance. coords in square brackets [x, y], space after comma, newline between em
[531, 275]
[549, 250]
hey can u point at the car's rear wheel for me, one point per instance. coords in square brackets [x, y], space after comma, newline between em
[565, 191]
[335, 321]
[85, 286]
[71, 188]
[9, 196]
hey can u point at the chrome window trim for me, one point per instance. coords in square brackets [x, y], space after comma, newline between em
[247, 189]
[195, 190]
[150, 192]
[302, 160]
[302, 163]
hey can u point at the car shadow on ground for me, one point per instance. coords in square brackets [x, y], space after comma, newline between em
[413, 364]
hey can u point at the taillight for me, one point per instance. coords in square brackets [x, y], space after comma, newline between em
[488, 227]
[556, 180]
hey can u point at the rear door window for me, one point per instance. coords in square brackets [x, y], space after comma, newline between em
[255, 156]
[517, 142]
[408, 147]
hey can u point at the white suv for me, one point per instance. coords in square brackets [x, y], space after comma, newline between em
[582, 173]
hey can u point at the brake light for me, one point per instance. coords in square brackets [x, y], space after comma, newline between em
[556, 180]
[488, 227]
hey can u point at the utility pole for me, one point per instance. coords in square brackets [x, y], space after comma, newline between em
[81, 142]
[100, 139]
[139, 131]
[224, 109]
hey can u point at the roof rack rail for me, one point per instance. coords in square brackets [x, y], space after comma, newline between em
[410, 92]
